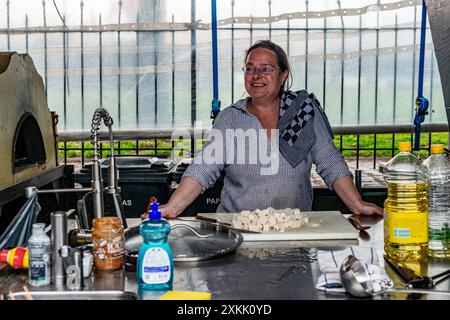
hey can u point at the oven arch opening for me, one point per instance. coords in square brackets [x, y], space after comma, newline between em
[28, 145]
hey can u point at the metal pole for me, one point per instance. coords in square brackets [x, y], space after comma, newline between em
[45, 47]
[65, 74]
[26, 33]
[342, 74]
[270, 17]
[251, 30]
[376, 88]
[395, 85]
[193, 67]
[422, 48]
[193, 72]
[431, 82]
[166, 133]
[232, 50]
[137, 76]
[421, 102]
[119, 62]
[324, 83]
[306, 45]
[58, 239]
[173, 73]
[359, 90]
[155, 76]
[288, 37]
[414, 59]
[82, 65]
[8, 26]
[73, 190]
[100, 40]
[216, 102]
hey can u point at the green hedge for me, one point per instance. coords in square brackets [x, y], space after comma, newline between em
[383, 141]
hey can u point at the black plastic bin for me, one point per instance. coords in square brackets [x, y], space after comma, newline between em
[139, 178]
[206, 202]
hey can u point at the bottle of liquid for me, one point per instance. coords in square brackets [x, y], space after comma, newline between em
[437, 169]
[406, 208]
[16, 257]
[40, 256]
[155, 259]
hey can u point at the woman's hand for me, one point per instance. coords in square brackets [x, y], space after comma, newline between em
[346, 190]
[368, 209]
[187, 191]
[167, 211]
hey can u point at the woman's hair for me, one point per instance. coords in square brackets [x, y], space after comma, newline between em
[282, 60]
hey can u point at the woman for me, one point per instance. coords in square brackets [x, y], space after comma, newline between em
[296, 135]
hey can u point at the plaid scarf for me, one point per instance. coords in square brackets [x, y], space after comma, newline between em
[297, 136]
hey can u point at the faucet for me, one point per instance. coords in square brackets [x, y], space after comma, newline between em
[97, 182]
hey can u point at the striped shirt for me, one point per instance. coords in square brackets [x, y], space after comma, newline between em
[245, 188]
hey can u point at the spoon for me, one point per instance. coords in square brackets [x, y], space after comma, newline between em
[355, 278]
[357, 224]
[357, 281]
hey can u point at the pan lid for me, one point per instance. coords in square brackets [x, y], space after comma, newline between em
[192, 240]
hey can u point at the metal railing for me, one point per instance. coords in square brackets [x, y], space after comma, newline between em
[161, 142]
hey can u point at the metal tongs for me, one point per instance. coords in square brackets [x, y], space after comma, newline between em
[427, 282]
[414, 281]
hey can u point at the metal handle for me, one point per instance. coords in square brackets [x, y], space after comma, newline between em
[190, 229]
[358, 180]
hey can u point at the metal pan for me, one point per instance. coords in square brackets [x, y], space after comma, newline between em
[207, 241]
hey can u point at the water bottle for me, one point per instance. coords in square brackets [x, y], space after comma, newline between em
[155, 259]
[437, 169]
[40, 257]
[406, 208]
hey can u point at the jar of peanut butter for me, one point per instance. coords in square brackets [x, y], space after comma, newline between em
[108, 240]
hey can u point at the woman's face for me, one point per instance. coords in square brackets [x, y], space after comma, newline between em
[263, 85]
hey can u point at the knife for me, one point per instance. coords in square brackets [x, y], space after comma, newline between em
[226, 224]
[405, 273]
[212, 220]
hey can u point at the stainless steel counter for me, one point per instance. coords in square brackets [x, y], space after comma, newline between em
[283, 270]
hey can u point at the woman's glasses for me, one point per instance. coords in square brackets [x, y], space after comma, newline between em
[263, 70]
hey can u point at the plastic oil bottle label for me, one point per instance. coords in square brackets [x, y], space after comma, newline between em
[406, 228]
[156, 266]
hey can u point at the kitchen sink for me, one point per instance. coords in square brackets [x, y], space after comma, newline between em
[71, 295]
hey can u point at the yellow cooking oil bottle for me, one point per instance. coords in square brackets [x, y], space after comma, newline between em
[406, 208]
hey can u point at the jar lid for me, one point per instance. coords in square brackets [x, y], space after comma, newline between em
[106, 220]
[437, 148]
[404, 146]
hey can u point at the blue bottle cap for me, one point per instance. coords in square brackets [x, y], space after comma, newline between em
[154, 213]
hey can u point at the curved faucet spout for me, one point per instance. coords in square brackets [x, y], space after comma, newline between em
[97, 182]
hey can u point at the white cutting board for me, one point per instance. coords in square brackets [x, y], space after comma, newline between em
[332, 225]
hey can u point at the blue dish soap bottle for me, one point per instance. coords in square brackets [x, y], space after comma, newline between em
[155, 259]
